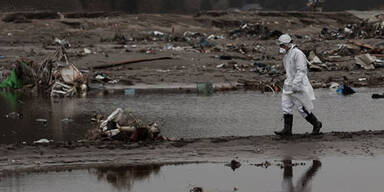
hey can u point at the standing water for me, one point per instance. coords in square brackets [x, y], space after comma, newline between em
[183, 115]
[330, 174]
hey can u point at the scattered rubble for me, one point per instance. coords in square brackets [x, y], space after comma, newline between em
[134, 130]
[54, 75]
[254, 30]
[363, 30]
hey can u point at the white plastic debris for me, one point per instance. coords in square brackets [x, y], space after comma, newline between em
[70, 74]
[42, 141]
[158, 33]
[62, 90]
[212, 37]
[115, 116]
[62, 42]
[334, 85]
[314, 59]
[362, 79]
[113, 132]
[87, 51]
[41, 120]
[220, 65]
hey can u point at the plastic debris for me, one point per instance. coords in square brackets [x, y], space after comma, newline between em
[345, 90]
[205, 88]
[135, 131]
[87, 51]
[377, 96]
[14, 115]
[12, 81]
[130, 92]
[41, 120]
[334, 86]
[71, 74]
[42, 141]
[366, 61]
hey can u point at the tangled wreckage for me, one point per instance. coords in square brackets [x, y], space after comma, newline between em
[54, 76]
[123, 127]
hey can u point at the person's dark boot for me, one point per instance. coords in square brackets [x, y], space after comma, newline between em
[288, 122]
[317, 125]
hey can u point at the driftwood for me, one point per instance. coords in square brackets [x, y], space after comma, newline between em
[130, 62]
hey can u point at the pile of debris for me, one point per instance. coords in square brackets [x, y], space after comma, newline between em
[363, 30]
[54, 76]
[365, 55]
[133, 130]
[255, 31]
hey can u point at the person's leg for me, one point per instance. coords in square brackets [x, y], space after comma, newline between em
[287, 106]
[309, 116]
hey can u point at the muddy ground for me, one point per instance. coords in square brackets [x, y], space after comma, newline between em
[112, 37]
[66, 155]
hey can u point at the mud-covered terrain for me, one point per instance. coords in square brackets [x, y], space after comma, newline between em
[72, 155]
[240, 44]
[219, 47]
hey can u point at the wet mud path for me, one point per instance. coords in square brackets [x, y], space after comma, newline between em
[59, 156]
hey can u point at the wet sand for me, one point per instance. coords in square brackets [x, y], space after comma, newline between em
[74, 155]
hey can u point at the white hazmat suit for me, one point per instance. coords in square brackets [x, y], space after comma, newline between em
[297, 89]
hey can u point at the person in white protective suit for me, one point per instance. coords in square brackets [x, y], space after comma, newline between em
[297, 90]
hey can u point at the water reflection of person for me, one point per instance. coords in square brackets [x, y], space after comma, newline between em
[123, 178]
[303, 184]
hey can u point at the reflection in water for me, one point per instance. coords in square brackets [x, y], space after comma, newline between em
[125, 177]
[304, 183]
[66, 121]
[351, 174]
[10, 99]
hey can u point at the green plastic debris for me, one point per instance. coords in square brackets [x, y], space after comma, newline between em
[205, 88]
[12, 81]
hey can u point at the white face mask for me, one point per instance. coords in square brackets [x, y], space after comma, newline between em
[283, 51]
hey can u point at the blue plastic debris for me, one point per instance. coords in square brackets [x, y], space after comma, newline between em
[345, 90]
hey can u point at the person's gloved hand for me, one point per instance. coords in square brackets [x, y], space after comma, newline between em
[296, 88]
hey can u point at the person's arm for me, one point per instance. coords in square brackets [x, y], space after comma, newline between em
[301, 70]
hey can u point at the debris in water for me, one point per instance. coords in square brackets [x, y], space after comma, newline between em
[345, 90]
[265, 164]
[196, 189]
[14, 115]
[234, 165]
[42, 120]
[135, 130]
[377, 96]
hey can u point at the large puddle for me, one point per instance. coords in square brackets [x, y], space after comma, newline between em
[184, 115]
[330, 174]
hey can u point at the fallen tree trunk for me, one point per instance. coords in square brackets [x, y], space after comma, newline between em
[130, 62]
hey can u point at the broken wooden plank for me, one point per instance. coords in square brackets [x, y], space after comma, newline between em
[371, 48]
[363, 45]
[130, 62]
